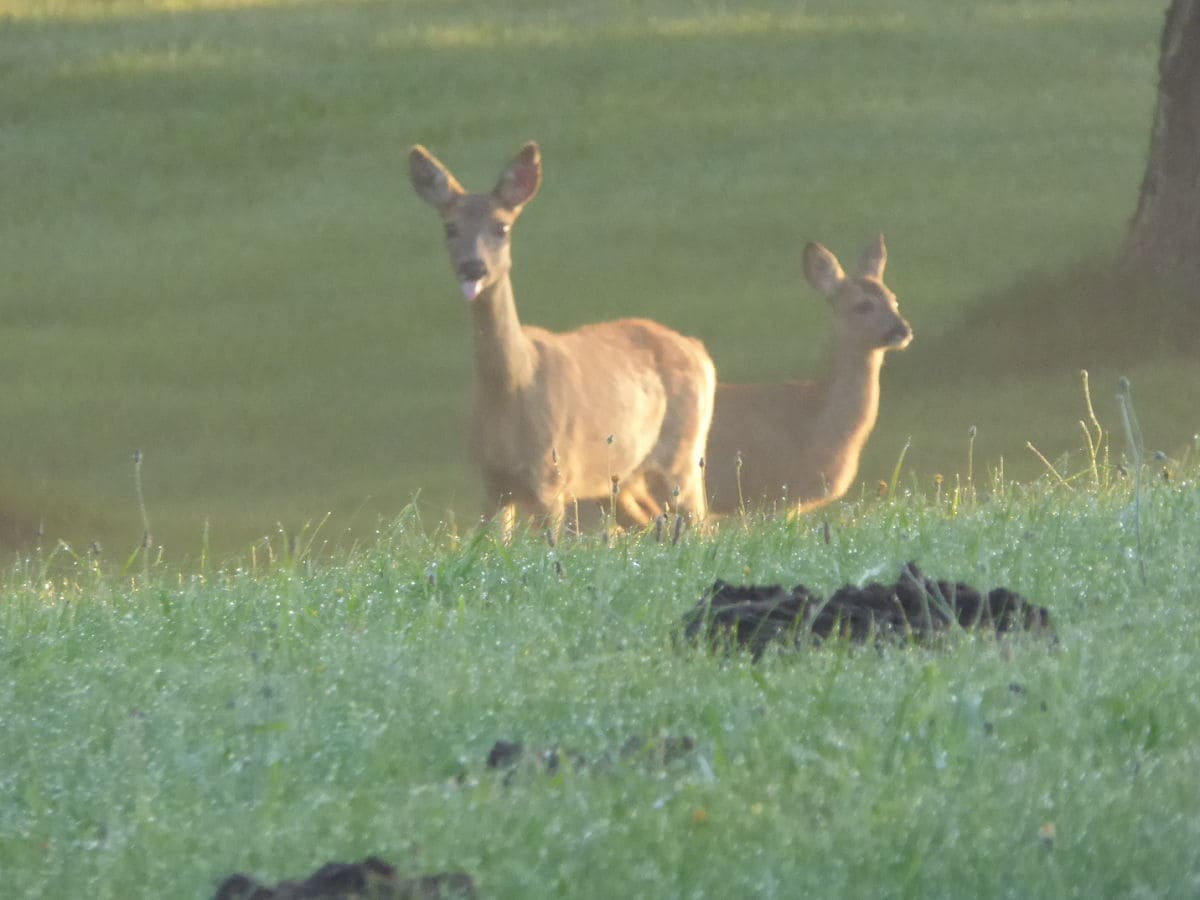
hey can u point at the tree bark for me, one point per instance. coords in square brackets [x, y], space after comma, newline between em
[1164, 236]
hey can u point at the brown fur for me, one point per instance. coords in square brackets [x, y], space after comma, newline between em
[800, 441]
[546, 404]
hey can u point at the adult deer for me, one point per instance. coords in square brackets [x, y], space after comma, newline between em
[797, 444]
[563, 417]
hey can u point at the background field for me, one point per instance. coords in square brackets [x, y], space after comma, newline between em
[210, 250]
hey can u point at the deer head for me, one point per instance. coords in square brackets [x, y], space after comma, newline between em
[866, 314]
[478, 226]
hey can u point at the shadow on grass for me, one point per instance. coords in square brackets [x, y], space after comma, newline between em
[1045, 323]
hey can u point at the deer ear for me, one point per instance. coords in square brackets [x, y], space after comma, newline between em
[431, 180]
[873, 259]
[519, 182]
[822, 269]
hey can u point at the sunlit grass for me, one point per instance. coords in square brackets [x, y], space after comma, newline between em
[1052, 11]
[164, 730]
[211, 252]
[773, 23]
[99, 10]
[173, 60]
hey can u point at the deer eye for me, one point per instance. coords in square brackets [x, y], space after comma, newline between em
[451, 230]
[501, 229]
[864, 306]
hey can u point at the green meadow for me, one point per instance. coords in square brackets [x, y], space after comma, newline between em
[210, 252]
[163, 731]
[210, 256]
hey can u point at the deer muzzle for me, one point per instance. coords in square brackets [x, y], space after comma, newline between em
[470, 278]
[900, 336]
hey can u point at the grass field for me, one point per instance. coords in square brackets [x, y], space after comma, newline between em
[211, 253]
[162, 731]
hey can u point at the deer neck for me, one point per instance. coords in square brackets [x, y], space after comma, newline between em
[851, 396]
[503, 354]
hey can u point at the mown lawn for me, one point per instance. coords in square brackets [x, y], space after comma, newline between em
[164, 730]
[211, 253]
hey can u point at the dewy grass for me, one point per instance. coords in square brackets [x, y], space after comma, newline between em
[164, 730]
[1137, 455]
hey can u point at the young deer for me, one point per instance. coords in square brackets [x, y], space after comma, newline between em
[559, 417]
[800, 441]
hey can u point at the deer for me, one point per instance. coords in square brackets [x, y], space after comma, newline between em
[615, 412]
[796, 445]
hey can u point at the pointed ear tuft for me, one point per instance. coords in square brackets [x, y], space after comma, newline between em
[431, 180]
[873, 259]
[520, 181]
[822, 269]
[531, 154]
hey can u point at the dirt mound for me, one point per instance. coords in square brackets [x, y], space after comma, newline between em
[513, 757]
[372, 878]
[913, 607]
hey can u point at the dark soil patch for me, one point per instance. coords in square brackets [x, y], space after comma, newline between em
[913, 607]
[512, 757]
[372, 878]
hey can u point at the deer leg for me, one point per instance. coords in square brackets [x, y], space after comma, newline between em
[677, 478]
[690, 503]
[635, 503]
[499, 506]
[635, 508]
[684, 497]
[503, 515]
[552, 514]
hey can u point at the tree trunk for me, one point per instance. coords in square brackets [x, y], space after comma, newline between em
[1164, 236]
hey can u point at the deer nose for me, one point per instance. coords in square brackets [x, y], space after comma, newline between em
[471, 270]
[900, 335]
